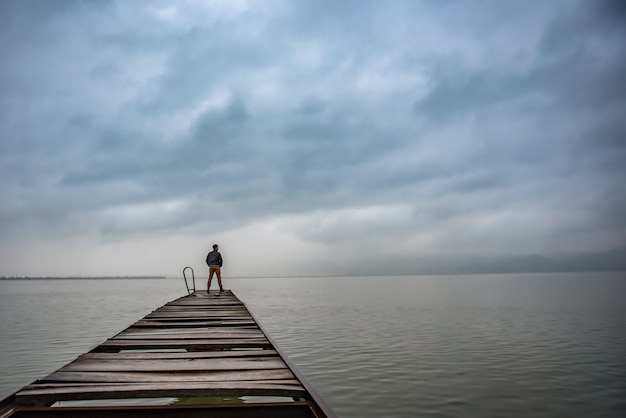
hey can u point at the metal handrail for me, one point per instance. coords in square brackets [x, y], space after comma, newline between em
[193, 280]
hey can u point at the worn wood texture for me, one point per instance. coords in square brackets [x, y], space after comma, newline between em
[207, 344]
[42, 394]
[155, 377]
[258, 410]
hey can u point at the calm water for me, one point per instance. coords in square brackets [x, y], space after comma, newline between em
[542, 345]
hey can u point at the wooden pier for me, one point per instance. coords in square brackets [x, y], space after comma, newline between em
[201, 355]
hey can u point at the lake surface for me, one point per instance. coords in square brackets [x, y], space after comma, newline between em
[541, 345]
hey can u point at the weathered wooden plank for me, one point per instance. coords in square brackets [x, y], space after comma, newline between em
[110, 387]
[177, 365]
[195, 345]
[158, 343]
[215, 300]
[199, 312]
[178, 323]
[200, 298]
[196, 318]
[188, 332]
[157, 377]
[196, 331]
[169, 308]
[218, 329]
[186, 337]
[196, 315]
[40, 395]
[206, 305]
[200, 320]
[179, 356]
[245, 410]
[203, 308]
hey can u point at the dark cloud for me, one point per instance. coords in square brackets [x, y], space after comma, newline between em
[443, 127]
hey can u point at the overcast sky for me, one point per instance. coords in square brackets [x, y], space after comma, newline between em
[308, 137]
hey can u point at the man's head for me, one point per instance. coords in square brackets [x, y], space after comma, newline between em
[215, 247]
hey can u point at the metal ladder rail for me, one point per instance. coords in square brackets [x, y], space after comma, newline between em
[192, 289]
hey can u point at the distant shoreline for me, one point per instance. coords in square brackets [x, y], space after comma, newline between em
[83, 278]
[485, 273]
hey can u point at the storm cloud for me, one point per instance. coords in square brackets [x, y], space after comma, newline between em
[308, 137]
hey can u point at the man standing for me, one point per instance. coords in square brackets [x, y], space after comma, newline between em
[214, 260]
